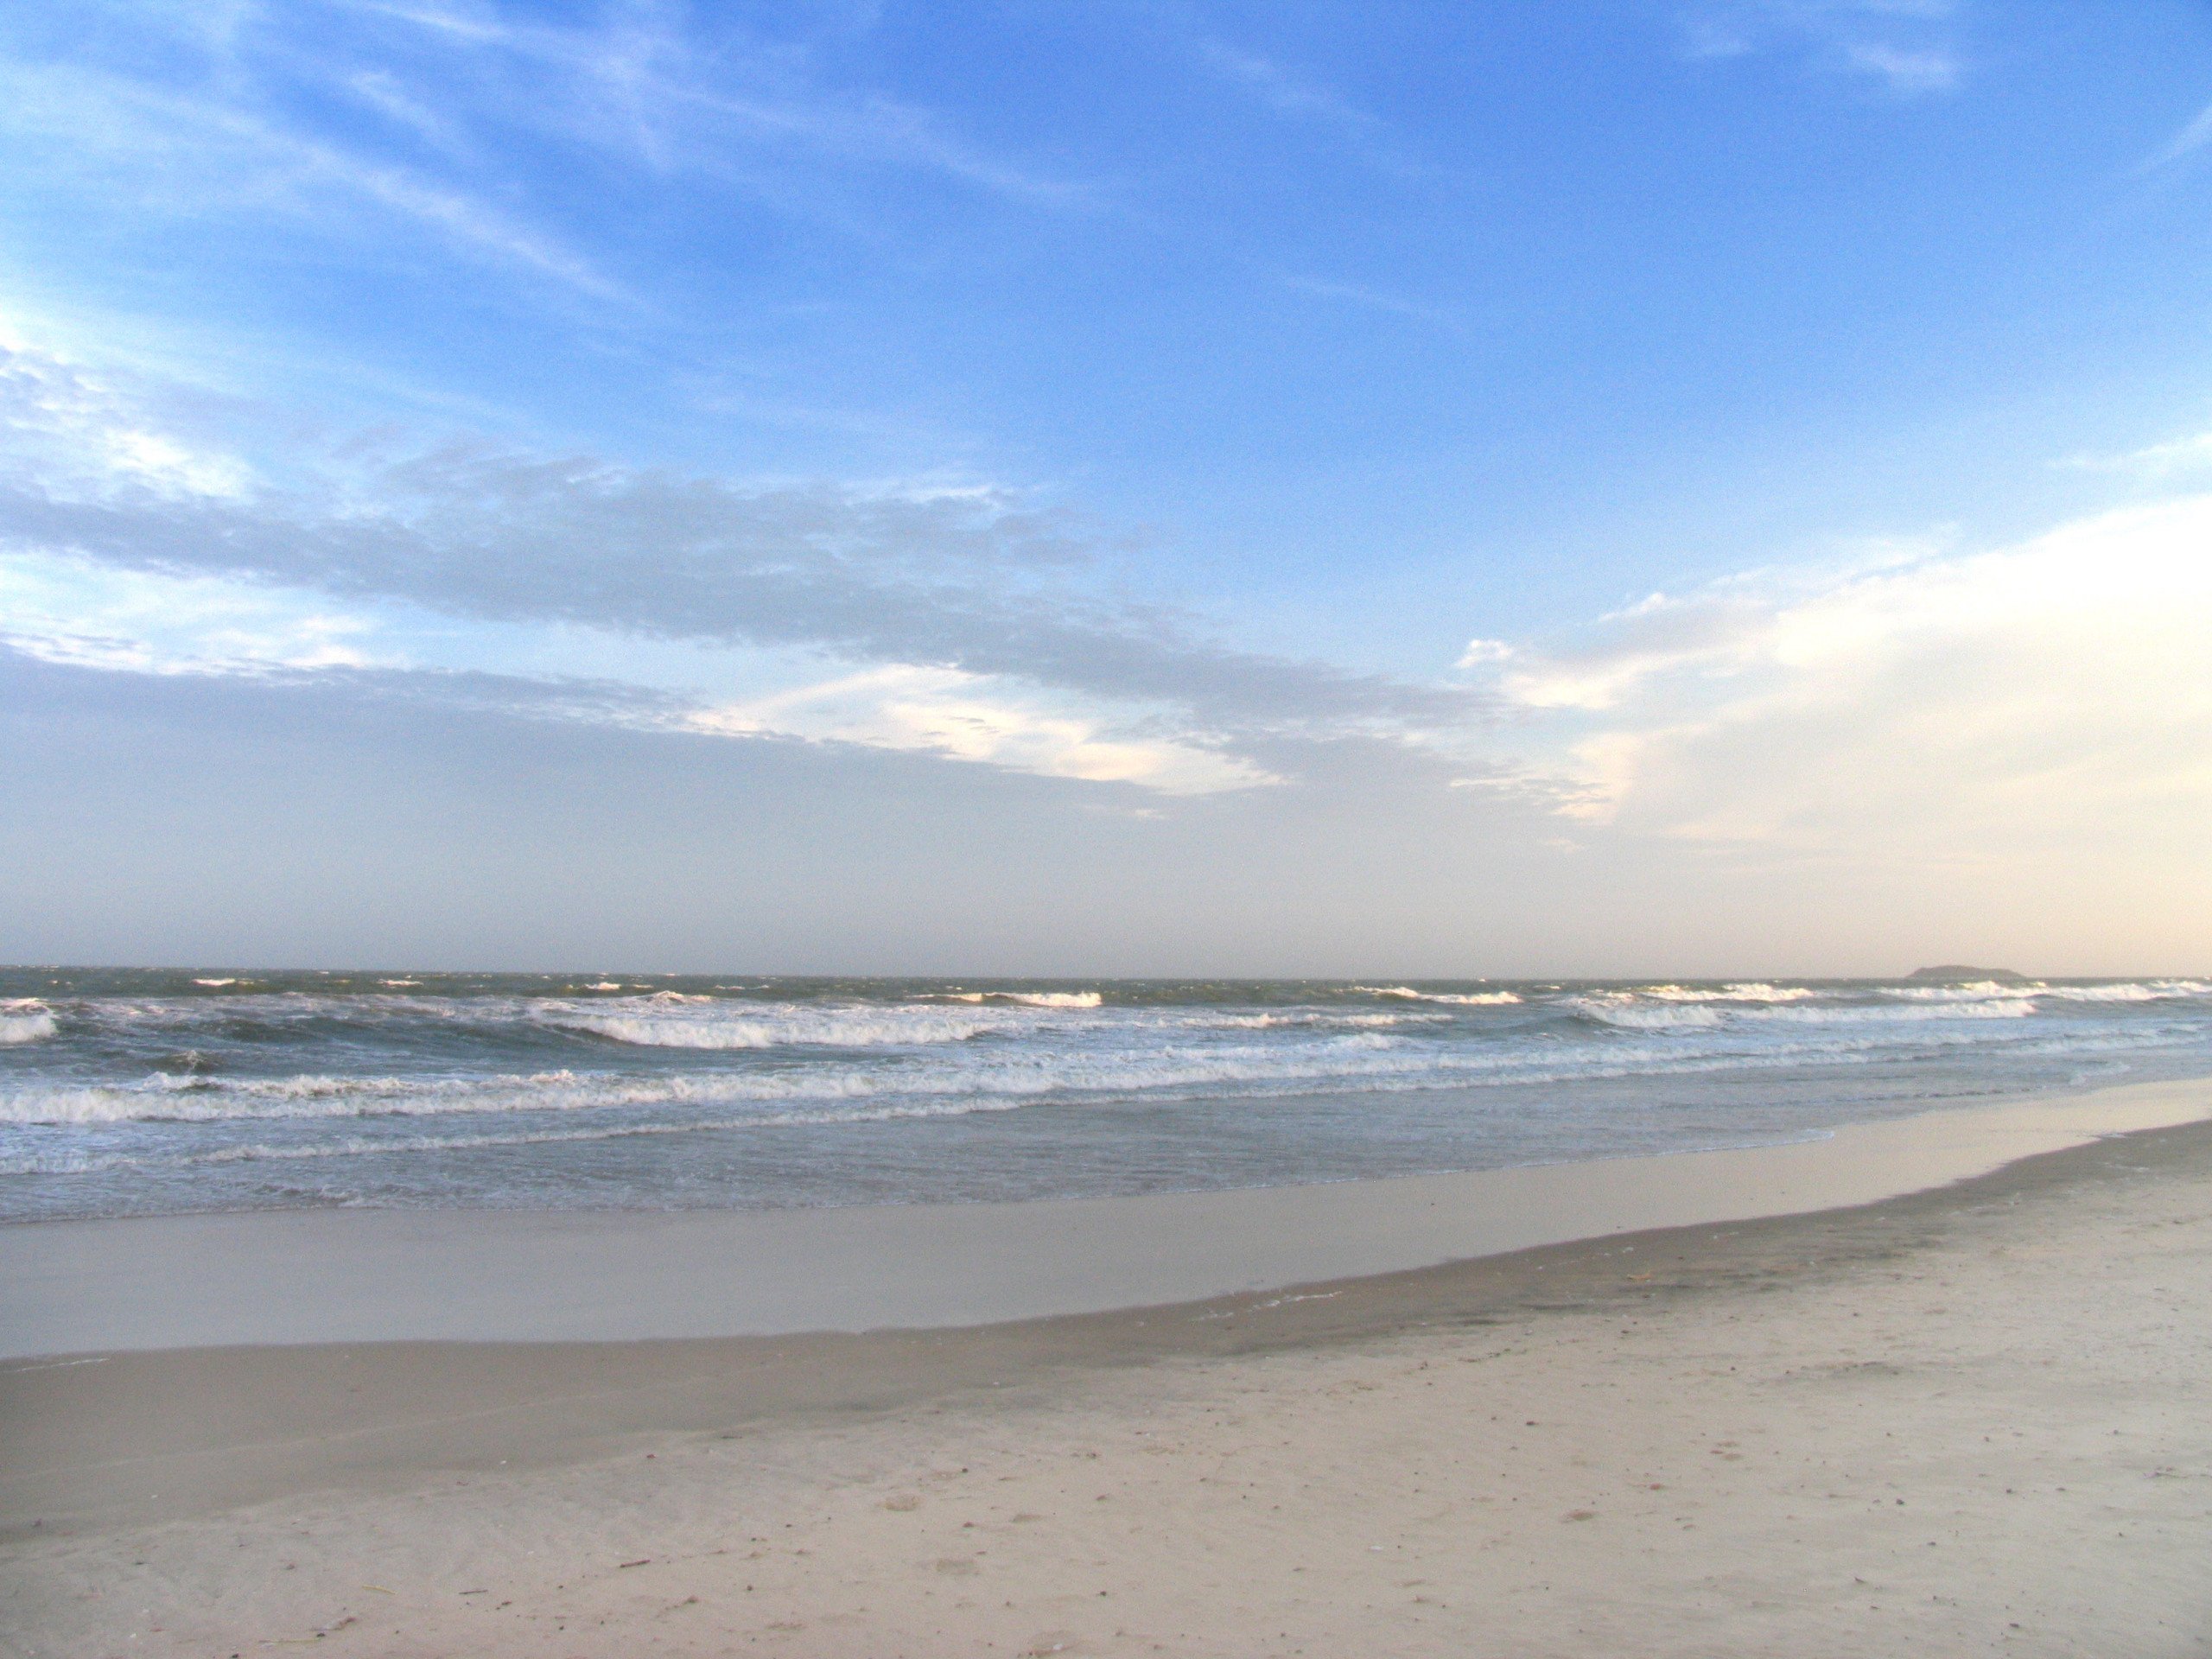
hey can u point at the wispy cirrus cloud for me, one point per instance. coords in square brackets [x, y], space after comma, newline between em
[179, 155]
[466, 125]
[78, 612]
[65, 426]
[2173, 458]
[965, 621]
[2192, 137]
[1927, 70]
[1299, 96]
[1369, 298]
[644, 84]
[1285, 90]
[971, 580]
[1909, 47]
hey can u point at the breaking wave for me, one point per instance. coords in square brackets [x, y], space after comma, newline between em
[1755, 992]
[720, 1026]
[1450, 999]
[289, 1088]
[1634, 1016]
[1627, 1009]
[25, 1020]
[2156, 990]
[1030, 999]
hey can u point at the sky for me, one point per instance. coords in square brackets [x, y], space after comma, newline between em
[1655, 487]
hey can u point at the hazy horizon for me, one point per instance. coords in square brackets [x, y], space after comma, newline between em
[251, 971]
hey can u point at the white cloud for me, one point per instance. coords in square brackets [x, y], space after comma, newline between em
[2056, 693]
[641, 86]
[2190, 139]
[1376, 299]
[1905, 71]
[55, 608]
[1909, 46]
[2172, 459]
[68, 420]
[956, 621]
[970, 717]
[444, 123]
[1298, 96]
[1283, 89]
[382, 92]
[80, 611]
[192, 155]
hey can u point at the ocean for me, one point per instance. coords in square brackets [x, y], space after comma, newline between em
[141, 1091]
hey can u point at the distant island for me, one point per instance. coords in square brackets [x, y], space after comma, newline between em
[1952, 970]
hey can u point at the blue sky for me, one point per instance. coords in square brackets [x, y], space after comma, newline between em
[1670, 471]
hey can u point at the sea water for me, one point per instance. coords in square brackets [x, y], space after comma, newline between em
[132, 1092]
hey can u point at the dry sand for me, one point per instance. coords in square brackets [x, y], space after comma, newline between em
[1975, 1419]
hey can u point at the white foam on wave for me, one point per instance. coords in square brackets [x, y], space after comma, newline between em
[2116, 991]
[912, 1057]
[1153, 1065]
[214, 984]
[2011, 1007]
[2156, 990]
[824, 1101]
[294, 1008]
[1633, 1015]
[855, 1094]
[1030, 999]
[25, 1020]
[1344, 1056]
[672, 1021]
[677, 1020]
[1630, 1010]
[1751, 991]
[1980, 990]
[1456, 998]
[162, 1099]
[1291, 1018]
[74, 1162]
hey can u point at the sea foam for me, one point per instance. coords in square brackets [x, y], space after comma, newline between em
[1030, 999]
[1448, 999]
[718, 1026]
[127, 1091]
[25, 1020]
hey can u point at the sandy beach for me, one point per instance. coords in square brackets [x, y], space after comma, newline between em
[931, 831]
[1971, 1418]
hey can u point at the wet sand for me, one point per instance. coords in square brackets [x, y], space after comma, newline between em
[1970, 1419]
[371, 1275]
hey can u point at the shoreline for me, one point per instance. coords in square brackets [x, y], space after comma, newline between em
[101, 1438]
[316, 1277]
[1966, 1419]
